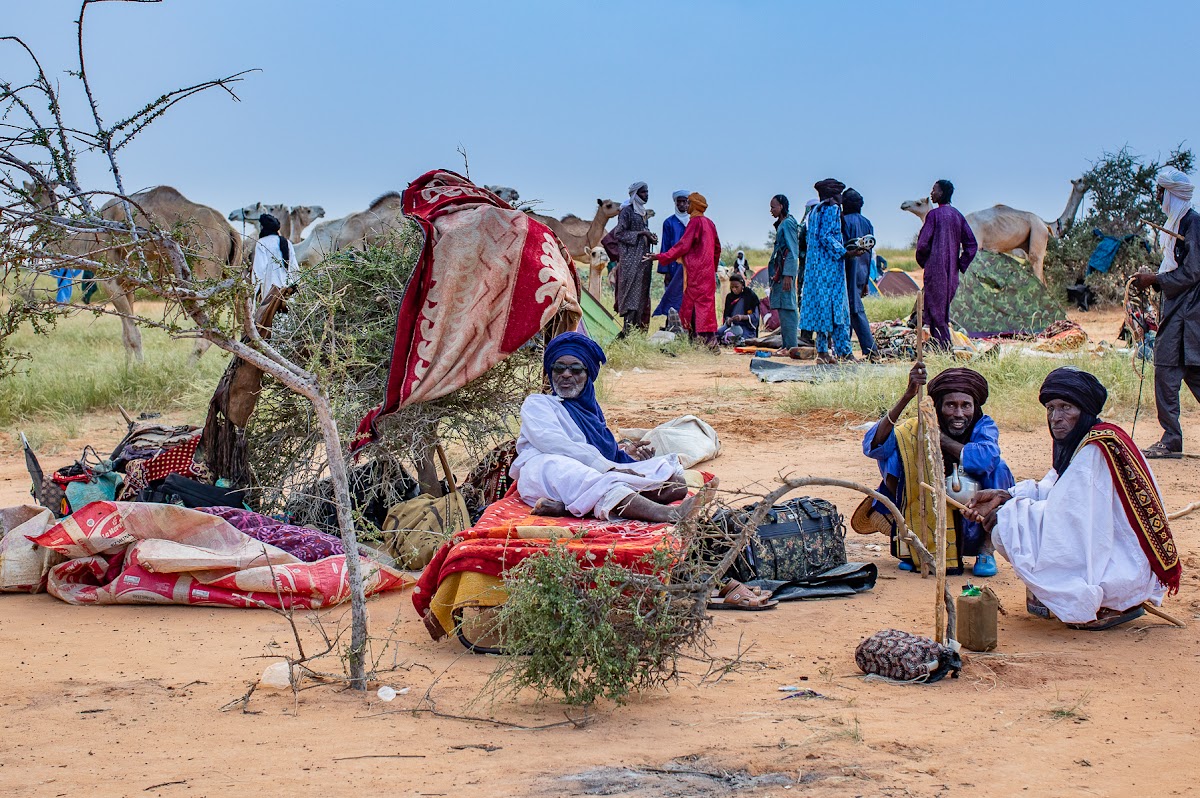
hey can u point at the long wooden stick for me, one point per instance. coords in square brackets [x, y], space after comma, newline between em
[1181, 512]
[1166, 616]
[921, 475]
[1162, 229]
[953, 502]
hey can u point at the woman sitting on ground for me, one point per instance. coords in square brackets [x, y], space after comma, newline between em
[740, 319]
[1090, 541]
[969, 438]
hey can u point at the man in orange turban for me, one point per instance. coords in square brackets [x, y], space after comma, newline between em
[699, 250]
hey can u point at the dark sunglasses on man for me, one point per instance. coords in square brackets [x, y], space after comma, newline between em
[576, 369]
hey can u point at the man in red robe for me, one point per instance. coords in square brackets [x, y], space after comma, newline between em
[699, 250]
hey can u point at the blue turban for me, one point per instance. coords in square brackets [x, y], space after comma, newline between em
[584, 409]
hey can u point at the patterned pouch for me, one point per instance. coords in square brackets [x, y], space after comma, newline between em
[905, 657]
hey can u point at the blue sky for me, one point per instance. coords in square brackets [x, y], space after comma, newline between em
[570, 101]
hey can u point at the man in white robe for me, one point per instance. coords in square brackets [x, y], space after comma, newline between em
[568, 462]
[1071, 537]
[274, 258]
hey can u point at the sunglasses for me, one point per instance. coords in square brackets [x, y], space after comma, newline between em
[575, 369]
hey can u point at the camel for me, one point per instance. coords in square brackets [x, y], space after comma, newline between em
[205, 235]
[379, 221]
[577, 235]
[1063, 223]
[597, 264]
[505, 193]
[292, 221]
[1001, 228]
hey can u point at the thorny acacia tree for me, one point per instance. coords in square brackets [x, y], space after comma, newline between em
[48, 211]
[1121, 192]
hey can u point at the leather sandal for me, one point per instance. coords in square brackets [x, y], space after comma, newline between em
[1108, 618]
[1159, 451]
[736, 596]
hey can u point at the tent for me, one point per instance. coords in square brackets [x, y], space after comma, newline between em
[896, 282]
[597, 323]
[761, 280]
[999, 295]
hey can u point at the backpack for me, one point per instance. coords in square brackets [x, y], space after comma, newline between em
[906, 657]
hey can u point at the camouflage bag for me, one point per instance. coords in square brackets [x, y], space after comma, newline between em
[800, 538]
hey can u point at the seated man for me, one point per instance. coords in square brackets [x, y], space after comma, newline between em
[1091, 540]
[968, 438]
[569, 463]
[740, 319]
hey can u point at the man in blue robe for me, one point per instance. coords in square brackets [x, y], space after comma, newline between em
[858, 270]
[672, 231]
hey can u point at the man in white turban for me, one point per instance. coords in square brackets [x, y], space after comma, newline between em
[634, 240]
[1177, 347]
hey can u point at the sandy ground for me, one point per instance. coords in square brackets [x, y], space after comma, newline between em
[126, 701]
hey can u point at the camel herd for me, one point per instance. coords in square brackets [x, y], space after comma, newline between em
[217, 245]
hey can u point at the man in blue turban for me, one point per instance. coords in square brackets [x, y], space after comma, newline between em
[569, 463]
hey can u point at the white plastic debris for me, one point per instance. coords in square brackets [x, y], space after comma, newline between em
[863, 427]
[276, 676]
[385, 693]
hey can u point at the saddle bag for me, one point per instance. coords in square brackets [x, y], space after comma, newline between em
[798, 539]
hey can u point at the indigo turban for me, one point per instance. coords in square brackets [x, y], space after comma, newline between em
[829, 188]
[1076, 386]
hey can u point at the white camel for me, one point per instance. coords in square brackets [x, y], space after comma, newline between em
[381, 220]
[1002, 228]
[292, 220]
[598, 261]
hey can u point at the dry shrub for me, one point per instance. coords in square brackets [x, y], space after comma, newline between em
[341, 325]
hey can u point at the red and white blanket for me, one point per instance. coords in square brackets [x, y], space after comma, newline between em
[488, 279]
[140, 553]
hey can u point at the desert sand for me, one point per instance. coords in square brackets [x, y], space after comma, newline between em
[127, 700]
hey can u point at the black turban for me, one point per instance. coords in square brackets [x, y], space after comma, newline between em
[1076, 386]
[1085, 392]
[829, 188]
[852, 201]
[960, 380]
[269, 225]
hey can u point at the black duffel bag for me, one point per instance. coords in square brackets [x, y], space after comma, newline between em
[800, 538]
[176, 489]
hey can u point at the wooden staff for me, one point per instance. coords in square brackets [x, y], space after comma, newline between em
[1161, 229]
[921, 455]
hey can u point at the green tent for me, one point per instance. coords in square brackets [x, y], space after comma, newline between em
[1000, 296]
[598, 323]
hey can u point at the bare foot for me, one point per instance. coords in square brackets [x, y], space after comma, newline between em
[690, 507]
[550, 507]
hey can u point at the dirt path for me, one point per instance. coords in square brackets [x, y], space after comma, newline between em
[125, 700]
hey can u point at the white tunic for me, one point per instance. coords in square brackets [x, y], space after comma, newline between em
[269, 268]
[1071, 543]
[555, 461]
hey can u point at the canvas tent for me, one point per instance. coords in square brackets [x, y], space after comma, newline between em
[597, 323]
[896, 282]
[761, 281]
[999, 295]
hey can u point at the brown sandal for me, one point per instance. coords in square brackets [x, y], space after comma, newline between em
[736, 596]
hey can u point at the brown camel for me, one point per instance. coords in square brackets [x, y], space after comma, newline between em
[576, 234]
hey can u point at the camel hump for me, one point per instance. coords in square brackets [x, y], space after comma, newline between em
[384, 199]
[570, 217]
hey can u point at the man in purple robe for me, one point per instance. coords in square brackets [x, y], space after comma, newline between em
[945, 248]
